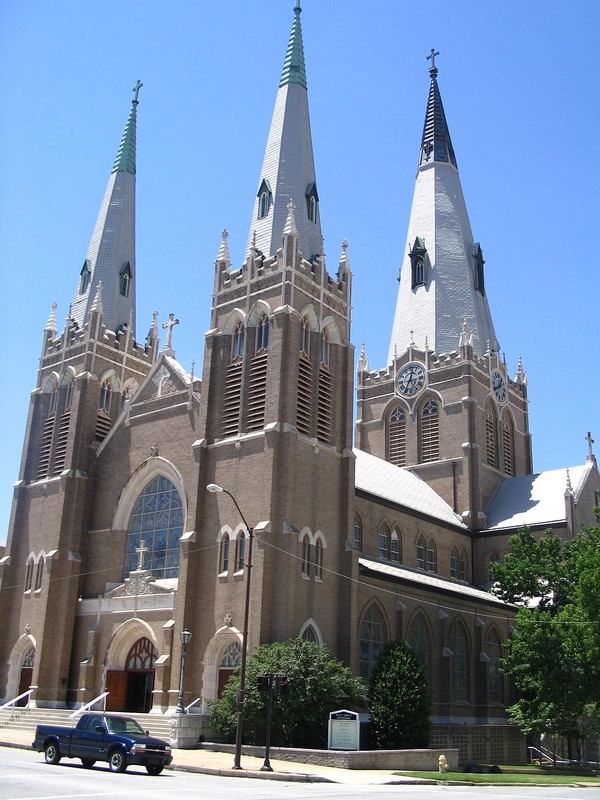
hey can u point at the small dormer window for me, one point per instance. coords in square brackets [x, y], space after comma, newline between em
[265, 198]
[85, 276]
[125, 279]
[478, 263]
[312, 202]
[419, 262]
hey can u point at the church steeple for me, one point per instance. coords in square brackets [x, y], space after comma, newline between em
[110, 258]
[288, 171]
[441, 279]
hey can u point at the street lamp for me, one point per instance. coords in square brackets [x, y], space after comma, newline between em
[215, 489]
[185, 640]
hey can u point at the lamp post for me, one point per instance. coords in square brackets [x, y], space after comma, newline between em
[214, 488]
[185, 640]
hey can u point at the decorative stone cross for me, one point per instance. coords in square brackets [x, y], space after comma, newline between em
[590, 442]
[431, 57]
[142, 550]
[169, 326]
[136, 91]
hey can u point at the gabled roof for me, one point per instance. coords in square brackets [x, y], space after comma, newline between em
[534, 500]
[397, 485]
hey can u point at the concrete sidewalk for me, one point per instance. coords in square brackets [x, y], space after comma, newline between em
[212, 762]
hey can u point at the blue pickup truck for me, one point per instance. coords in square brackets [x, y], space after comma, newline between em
[104, 737]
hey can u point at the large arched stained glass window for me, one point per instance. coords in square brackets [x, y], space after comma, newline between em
[372, 639]
[157, 520]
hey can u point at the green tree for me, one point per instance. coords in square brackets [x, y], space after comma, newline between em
[399, 700]
[316, 684]
[553, 655]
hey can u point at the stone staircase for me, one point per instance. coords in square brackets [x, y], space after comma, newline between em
[26, 719]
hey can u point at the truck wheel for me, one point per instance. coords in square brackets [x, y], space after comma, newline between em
[154, 769]
[116, 761]
[88, 762]
[52, 753]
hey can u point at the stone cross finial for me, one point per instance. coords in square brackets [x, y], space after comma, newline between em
[590, 442]
[136, 91]
[142, 550]
[169, 324]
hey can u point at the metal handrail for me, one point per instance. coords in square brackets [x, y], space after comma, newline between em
[12, 703]
[80, 710]
[193, 703]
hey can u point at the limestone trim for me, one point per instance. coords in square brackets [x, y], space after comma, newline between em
[123, 640]
[213, 655]
[20, 649]
[147, 471]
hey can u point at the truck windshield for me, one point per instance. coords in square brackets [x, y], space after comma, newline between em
[123, 725]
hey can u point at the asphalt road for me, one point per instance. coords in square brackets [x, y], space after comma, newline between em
[25, 776]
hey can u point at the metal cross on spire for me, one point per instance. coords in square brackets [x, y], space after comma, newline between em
[431, 56]
[136, 91]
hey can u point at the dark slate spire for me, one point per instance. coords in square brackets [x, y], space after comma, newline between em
[436, 144]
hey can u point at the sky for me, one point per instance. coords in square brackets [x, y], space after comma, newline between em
[519, 83]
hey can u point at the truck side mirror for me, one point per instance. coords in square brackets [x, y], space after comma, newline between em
[100, 729]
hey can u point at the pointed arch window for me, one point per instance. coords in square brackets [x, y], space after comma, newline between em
[371, 640]
[39, 573]
[418, 263]
[420, 552]
[384, 541]
[52, 405]
[397, 437]
[324, 352]
[85, 277]
[429, 430]
[478, 264]
[491, 435]
[265, 198]
[156, 520]
[418, 639]
[142, 656]
[396, 546]
[224, 555]
[431, 556]
[125, 277]
[29, 574]
[309, 634]
[262, 334]
[319, 560]
[454, 563]
[358, 532]
[305, 556]
[459, 665]
[105, 396]
[493, 651]
[240, 552]
[312, 202]
[305, 336]
[237, 342]
[508, 445]
[493, 560]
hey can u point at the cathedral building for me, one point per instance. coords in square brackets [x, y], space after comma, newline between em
[369, 523]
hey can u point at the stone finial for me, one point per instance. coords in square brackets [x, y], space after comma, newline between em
[290, 229]
[223, 256]
[466, 337]
[520, 377]
[363, 361]
[153, 332]
[154, 450]
[97, 303]
[590, 441]
[51, 324]
[344, 260]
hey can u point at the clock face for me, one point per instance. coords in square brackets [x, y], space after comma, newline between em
[499, 386]
[410, 379]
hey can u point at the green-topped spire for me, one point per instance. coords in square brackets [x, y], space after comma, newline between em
[294, 70]
[125, 160]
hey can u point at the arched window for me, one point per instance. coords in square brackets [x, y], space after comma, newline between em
[418, 639]
[454, 563]
[420, 552]
[358, 532]
[157, 521]
[324, 354]
[462, 566]
[372, 639]
[312, 200]
[396, 546]
[493, 560]
[39, 574]
[232, 656]
[237, 342]
[459, 664]
[431, 556]
[85, 275]
[397, 437]
[105, 396]
[262, 334]
[305, 336]
[240, 552]
[29, 659]
[306, 556]
[125, 279]
[142, 656]
[69, 386]
[508, 445]
[224, 554]
[53, 401]
[384, 541]
[265, 197]
[29, 574]
[491, 435]
[429, 430]
[310, 634]
[319, 560]
[493, 651]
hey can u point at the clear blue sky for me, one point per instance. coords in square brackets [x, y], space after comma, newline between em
[519, 85]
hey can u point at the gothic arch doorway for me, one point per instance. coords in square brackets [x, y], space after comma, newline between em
[230, 661]
[26, 675]
[131, 688]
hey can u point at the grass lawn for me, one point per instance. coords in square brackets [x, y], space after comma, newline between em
[516, 775]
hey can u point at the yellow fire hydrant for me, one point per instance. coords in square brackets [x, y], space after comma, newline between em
[442, 764]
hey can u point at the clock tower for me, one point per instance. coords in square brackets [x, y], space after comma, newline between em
[445, 406]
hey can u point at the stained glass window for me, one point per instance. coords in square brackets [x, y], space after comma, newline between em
[157, 520]
[372, 640]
